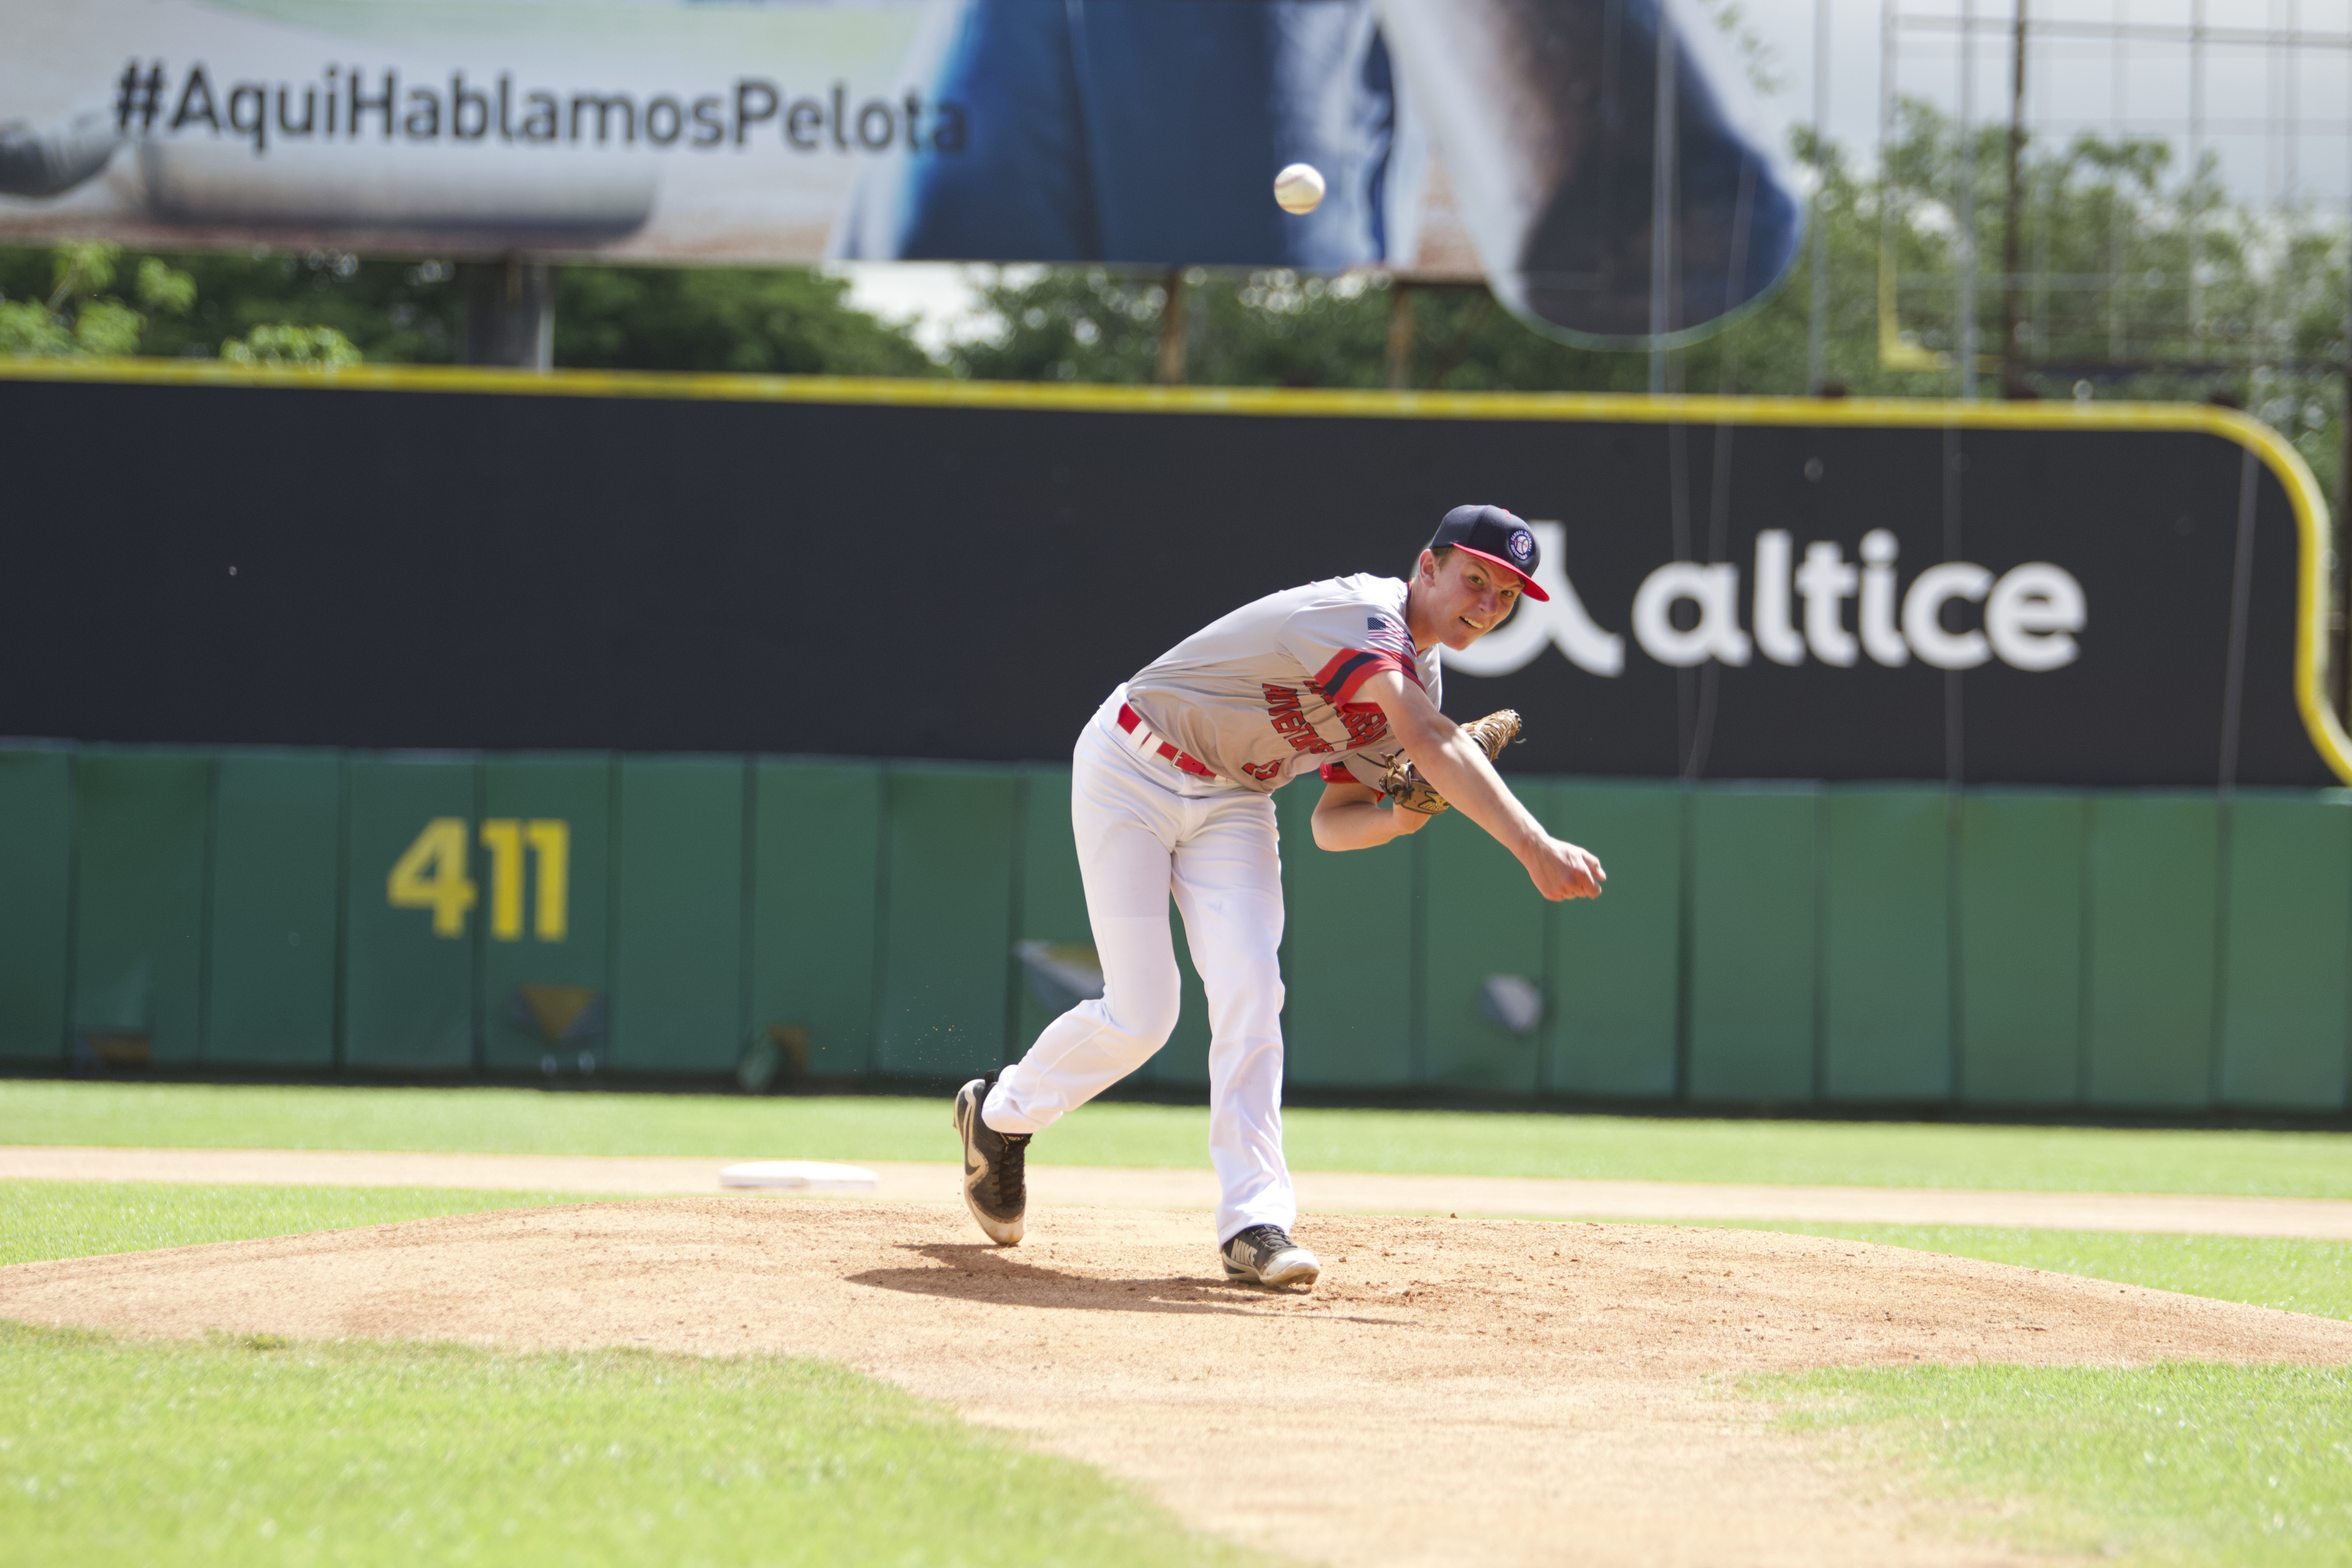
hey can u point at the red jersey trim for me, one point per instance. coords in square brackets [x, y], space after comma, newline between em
[1336, 773]
[1349, 669]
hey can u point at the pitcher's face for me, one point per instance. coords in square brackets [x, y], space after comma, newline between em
[1463, 596]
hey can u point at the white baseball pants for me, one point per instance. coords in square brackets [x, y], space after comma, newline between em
[1146, 830]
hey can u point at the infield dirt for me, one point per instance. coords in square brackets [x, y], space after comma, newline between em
[1455, 1391]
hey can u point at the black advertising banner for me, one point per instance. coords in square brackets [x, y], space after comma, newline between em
[1984, 594]
[1518, 139]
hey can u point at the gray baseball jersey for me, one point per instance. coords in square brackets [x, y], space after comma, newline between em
[1269, 691]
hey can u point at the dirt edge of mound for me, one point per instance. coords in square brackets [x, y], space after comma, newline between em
[1559, 1387]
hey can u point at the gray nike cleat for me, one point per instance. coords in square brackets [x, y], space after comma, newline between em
[993, 1187]
[1264, 1255]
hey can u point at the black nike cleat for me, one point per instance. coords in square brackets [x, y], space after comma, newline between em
[1264, 1255]
[993, 1187]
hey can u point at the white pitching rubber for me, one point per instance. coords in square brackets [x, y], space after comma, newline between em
[800, 1176]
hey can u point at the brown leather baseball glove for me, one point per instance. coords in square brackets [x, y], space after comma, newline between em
[1404, 785]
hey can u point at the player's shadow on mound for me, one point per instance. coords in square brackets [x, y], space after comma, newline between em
[971, 1272]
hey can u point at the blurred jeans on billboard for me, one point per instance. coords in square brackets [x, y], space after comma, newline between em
[1148, 132]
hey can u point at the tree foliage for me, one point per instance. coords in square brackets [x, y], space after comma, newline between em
[724, 318]
[2134, 278]
[79, 314]
[387, 311]
[410, 313]
[303, 348]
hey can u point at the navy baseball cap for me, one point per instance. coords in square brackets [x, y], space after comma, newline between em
[1493, 534]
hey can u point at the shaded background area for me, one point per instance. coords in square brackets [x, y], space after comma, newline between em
[399, 569]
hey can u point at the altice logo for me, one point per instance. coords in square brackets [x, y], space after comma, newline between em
[2030, 613]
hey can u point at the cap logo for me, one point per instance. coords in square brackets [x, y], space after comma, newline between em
[1523, 545]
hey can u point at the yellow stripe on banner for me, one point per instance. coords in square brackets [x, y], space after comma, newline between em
[2326, 731]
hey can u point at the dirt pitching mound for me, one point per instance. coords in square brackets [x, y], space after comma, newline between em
[1541, 1391]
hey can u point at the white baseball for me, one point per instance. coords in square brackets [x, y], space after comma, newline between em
[1298, 188]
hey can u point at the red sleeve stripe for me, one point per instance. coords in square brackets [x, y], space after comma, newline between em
[1336, 773]
[1353, 666]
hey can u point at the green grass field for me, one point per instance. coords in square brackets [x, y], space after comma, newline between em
[259, 1451]
[85, 1219]
[2310, 1164]
[113, 1450]
[2294, 1276]
[2167, 1463]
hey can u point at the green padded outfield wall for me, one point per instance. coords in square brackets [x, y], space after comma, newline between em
[318, 912]
[1617, 966]
[816, 874]
[2152, 892]
[2023, 870]
[947, 950]
[544, 844]
[409, 967]
[141, 832]
[1887, 958]
[1479, 916]
[2287, 945]
[277, 881]
[1753, 872]
[678, 903]
[36, 911]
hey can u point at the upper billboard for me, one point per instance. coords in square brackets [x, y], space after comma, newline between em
[1516, 138]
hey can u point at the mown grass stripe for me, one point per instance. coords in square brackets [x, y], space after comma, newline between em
[2293, 1276]
[1432, 1142]
[256, 1450]
[2176, 1463]
[42, 1220]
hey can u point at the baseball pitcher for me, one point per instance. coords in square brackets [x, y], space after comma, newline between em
[1170, 794]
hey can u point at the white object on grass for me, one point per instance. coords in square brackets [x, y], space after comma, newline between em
[800, 1176]
[1298, 188]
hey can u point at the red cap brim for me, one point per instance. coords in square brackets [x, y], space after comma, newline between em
[1527, 584]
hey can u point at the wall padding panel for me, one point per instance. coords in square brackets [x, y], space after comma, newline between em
[2154, 883]
[817, 869]
[2288, 943]
[679, 905]
[141, 824]
[1886, 1013]
[1752, 945]
[36, 868]
[409, 968]
[277, 842]
[947, 955]
[1618, 959]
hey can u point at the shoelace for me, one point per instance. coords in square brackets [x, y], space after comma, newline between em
[1006, 1166]
[1264, 1239]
